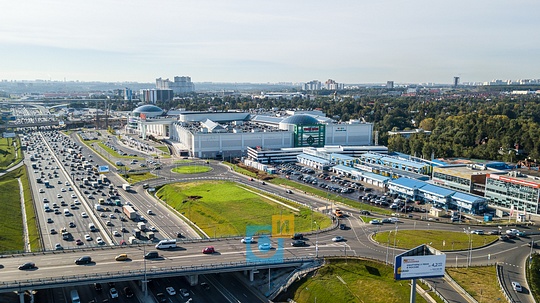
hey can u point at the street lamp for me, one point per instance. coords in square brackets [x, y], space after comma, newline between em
[468, 232]
[317, 240]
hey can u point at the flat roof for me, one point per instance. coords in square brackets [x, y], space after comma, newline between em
[408, 183]
[437, 190]
[467, 197]
[314, 159]
[460, 170]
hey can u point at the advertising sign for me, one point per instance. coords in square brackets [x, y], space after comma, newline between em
[413, 267]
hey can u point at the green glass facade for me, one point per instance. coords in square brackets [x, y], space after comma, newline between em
[309, 135]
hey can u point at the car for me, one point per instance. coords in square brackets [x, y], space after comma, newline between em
[205, 285]
[63, 190]
[375, 222]
[183, 292]
[289, 191]
[208, 250]
[58, 246]
[97, 286]
[342, 226]
[59, 196]
[298, 243]
[504, 238]
[247, 240]
[53, 231]
[73, 196]
[109, 223]
[83, 260]
[79, 242]
[112, 216]
[27, 265]
[50, 220]
[121, 257]
[128, 292]
[516, 286]
[150, 212]
[337, 239]
[116, 233]
[161, 297]
[494, 232]
[170, 290]
[113, 293]
[478, 232]
[100, 241]
[365, 212]
[84, 215]
[151, 255]
[72, 225]
[41, 190]
[265, 246]
[87, 237]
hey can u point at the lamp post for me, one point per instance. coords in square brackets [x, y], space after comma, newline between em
[469, 257]
[395, 237]
[316, 240]
[531, 253]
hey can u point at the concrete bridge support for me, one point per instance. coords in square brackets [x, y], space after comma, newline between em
[193, 280]
[21, 297]
[252, 274]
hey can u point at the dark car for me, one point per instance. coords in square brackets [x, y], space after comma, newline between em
[97, 286]
[205, 285]
[365, 212]
[128, 292]
[83, 260]
[151, 255]
[342, 226]
[27, 265]
[298, 243]
[161, 297]
[297, 236]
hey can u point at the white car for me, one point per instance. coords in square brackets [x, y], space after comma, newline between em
[184, 292]
[100, 241]
[337, 239]
[59, 196]
[73, 196]
[116, 233]
[170, 290]
[247, 240]
[63, 190]
[374, 222]
[84, 215]
[114, 293]
[516, 286]
[87, 237]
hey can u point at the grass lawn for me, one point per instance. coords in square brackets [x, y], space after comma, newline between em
[11, 237]
[351, 281]
[479, 282]
[191, 169]
[31, 221]
[223, 208]
[182, 161]
[8, 152]
[134, 178]
[441, 240]
[241, 170]
[164, 149]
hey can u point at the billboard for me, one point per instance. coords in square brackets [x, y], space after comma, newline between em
[419, 262]
[413, 267]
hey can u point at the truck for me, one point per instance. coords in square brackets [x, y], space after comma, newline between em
[141, 226]
[126, 187]
[129, 212]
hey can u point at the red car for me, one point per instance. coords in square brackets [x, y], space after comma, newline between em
[79, 242]
[208, 250]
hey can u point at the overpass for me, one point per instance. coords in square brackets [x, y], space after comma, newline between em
[58, 268]
[40, 124]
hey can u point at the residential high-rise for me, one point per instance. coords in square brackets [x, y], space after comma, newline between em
[181, 85]
[390, 84]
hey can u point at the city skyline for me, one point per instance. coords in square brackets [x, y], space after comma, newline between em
[241, 41]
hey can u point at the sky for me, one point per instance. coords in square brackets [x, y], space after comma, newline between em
[357, 41]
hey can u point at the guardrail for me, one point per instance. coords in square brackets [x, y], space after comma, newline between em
[20, 285]
[458, 287]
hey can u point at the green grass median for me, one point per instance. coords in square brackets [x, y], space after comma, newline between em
[222, 208]
[191, 169]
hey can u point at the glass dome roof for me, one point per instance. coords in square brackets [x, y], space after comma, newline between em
[300, 120]
[148, 108]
